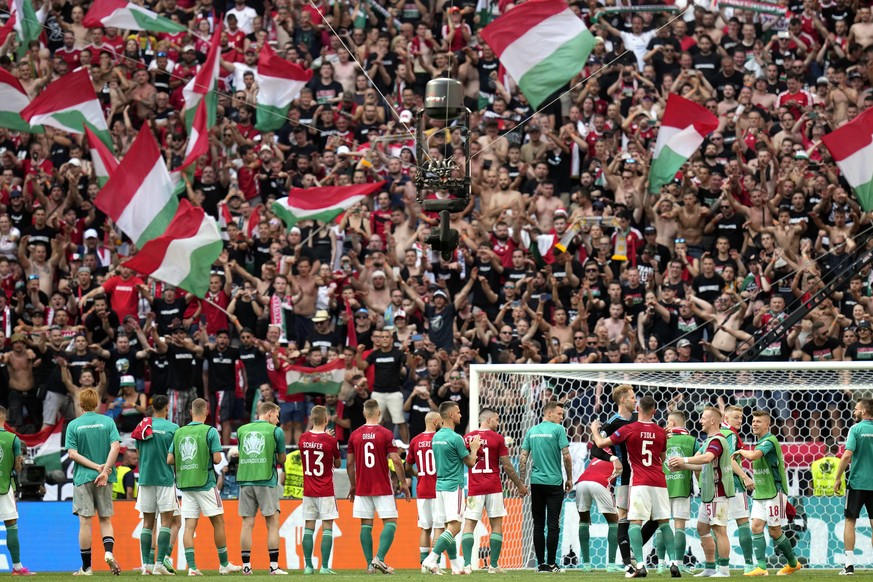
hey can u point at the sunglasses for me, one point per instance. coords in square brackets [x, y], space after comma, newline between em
[679, 241]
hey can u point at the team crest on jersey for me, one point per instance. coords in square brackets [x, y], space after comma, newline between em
[188, 448]
[253, 444]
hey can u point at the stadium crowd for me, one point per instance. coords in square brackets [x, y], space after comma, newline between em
[759, 218]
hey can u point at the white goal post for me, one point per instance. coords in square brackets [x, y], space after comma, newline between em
[811, 404]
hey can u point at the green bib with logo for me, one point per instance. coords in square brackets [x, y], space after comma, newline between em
[708, 485]
[765, 479]
[7, 460]
[257, 451]
[193, 460]
[679, 482]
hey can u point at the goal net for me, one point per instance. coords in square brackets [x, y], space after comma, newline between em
[811, 404]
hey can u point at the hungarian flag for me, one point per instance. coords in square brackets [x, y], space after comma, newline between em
[542, 44]
[44, 447]
[12, 100]
[128, 16]
[684, 126]
[183, 254]
[139, 194]
[322, 204]
[205, 83]
[852, 149]
[279, 83]
[198, 137]
[69, 104]
[25, 23]
[326, 379]
[102, 158]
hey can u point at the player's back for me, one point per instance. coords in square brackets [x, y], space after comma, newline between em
[421, 455]
[485, 474]
[371, 444]
[153, 467]
[597, 471]
[317, 453]
[645, 443]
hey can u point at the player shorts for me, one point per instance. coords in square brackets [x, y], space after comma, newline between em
[253, 497]
[647, 502]
[680, 507]
[491, 503]
[716, 512]
[205, 503]
[391, 403]
[323, 508]
[856, 499]
[368, 506]
[426, 514]
[621, 496]
[588, 493]
[739, 506]
[450, 505]
[771, 511]
[156, 499]
[8, 507]
[88, 500]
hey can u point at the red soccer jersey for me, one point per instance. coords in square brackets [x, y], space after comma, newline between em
[485, 474]
[645, 442]
[317, 452]
[597, 471]
[371, 444]
[422, 458]
[124, 295]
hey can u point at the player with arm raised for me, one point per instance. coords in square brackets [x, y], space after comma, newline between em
[485, 488]
[646, 445]
[739, 503]
[770, 496]
[592, 487]
[679, 444]
[626, 403]
[451, 454]
[716, 488]
[370, 447]
[319, 454]
[421, 464]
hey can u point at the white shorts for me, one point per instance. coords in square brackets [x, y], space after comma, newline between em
[647, 502]
[205, 503]
[323, 508]
[680, 507]
[588, 493]
[449, 505]
[716, 512]
[771, 511]
[366, 507]
[621, 496]
[738, 506]
[491, 503]
[392, 403]
[156, 499]
[426, 514]
[8, 507]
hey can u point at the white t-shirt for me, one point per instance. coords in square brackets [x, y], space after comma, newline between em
[637, 44]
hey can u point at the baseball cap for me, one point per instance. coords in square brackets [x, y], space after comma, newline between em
[863, 325]
[266, 148]
[84, 270]
[15, 193]
[822, 81]
[406, 116]
[650, 229]
[378, 274]
[17, 337]
[683, 343]
[560, 212]
[362, 310]
[188, 47]
[127, 380]
[91, 233]
[75, 162]
[399, 313]
[342, 150]
[532, 128]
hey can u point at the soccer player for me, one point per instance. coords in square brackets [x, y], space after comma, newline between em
[421, 464]
[859, 493]
[194, 451]
[485, 489]
[739, 503]
[646, 446]
[261, 448]
[716, 488]
[769, 497]
[93, 444]
[319, 454]
[450, 455]
[679, 444]
[370, 488]
[157, 490]
[10, 460]
[592, 486]
[547, 446]
[626, 404]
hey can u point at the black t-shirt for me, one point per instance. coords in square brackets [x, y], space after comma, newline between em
[168, 315]
[820, 353]
[222, 367]
[440, 328]
[94, 324]
[323, 341]
[860, 352]
[708, 288]
[212, 195]
[634, 300]
[731, 229]
[574, 356]
[324, 92]
[43, 236]
[182, 366]
[386, 369]
[255, 362]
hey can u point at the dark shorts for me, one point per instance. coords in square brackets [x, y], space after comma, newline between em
[857, 499]
[229, 406]
[292, 412]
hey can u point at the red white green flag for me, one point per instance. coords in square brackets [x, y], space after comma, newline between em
[69, 104]
[322, 204]
[13, 100]
[852, 149]
[205, 83]
[128, 16]
[102, 158]
[279, 83]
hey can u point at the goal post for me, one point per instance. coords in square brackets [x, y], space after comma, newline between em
[811, 404]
